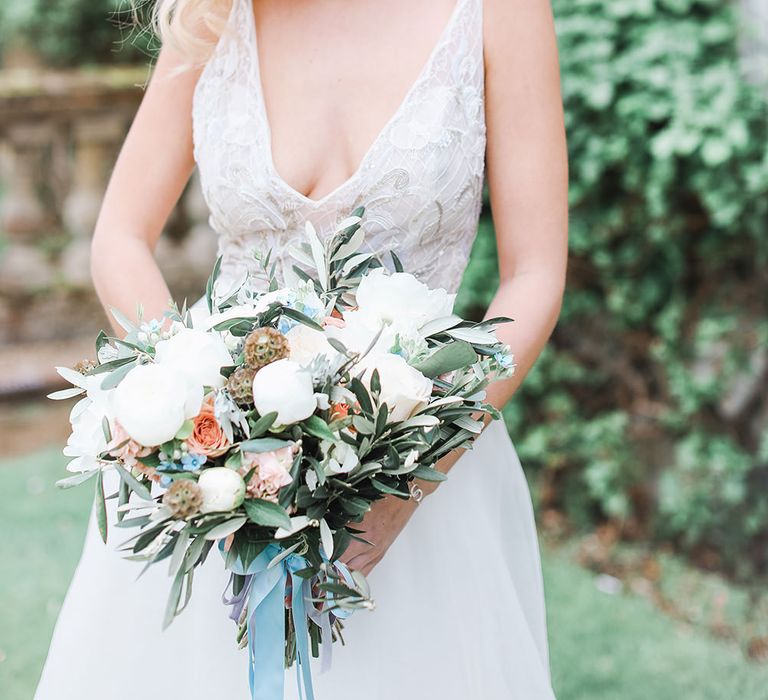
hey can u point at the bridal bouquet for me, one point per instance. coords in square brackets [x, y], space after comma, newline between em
[270, 430]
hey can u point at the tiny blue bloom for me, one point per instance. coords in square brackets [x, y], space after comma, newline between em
[504, 359]
[285, 324]
[192, 462]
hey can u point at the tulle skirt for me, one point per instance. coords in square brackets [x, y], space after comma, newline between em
[459, 611]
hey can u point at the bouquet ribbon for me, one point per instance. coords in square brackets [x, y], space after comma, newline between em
[264, 596]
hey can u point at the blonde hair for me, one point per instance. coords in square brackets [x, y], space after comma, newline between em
[191, 26]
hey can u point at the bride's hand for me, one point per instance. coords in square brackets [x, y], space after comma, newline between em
[384, 522]
[381, 525]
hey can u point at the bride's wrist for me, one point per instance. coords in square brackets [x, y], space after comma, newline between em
[443, 465]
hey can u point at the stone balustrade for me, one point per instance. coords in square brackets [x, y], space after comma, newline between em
[60, 133]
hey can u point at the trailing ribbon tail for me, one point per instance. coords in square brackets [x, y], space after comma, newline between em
[264, 595]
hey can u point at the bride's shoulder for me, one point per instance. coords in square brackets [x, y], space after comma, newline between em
[516, 32]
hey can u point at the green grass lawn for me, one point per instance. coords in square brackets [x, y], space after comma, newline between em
[603, 646]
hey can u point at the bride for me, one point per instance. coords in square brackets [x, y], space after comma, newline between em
[297, 110]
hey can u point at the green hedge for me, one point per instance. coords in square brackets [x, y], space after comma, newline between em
[650, 406]
[71, 32]
[647, 407]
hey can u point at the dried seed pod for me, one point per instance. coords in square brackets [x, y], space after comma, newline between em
[240, 386]
[184, 498]
[265, 345]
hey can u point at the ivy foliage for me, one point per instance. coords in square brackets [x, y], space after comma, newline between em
[650, 407]
[73, 32]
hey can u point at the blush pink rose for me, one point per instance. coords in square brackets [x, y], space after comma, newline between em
[273, 471]
[122, 447]
[130, 452]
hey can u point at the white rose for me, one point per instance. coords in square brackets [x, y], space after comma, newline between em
[223, 489]
[400, 298]
[403, 388]
[340, 458]
[87, 439]
[150, 403]
[197, 355]
[359, 331]
[307, 343]
[284, 386]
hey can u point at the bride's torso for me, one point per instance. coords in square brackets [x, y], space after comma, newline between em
[420, 180]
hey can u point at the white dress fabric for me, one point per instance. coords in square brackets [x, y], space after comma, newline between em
[459, 598]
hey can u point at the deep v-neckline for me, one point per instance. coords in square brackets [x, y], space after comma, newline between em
[262, 107]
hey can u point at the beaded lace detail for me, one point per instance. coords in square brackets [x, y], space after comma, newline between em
[420, 181]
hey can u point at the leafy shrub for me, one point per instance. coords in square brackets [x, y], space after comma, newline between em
[69, 32]
[650, 404]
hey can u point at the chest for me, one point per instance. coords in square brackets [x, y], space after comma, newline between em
[331, 74]
[427, 157]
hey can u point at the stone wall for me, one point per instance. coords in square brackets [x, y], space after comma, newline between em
[60, 134]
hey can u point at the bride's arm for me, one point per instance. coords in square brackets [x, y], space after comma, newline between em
[527, 175]
[152, 169]
[527, 171]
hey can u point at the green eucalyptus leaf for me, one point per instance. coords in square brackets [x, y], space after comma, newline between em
[186, 430]
[316, 426]
[134, 484]
[447, 359]
[101, 506]
[219, 532]
[428, 474]
[267, 444]
[77, 479]
[266, 513]
[263, 424]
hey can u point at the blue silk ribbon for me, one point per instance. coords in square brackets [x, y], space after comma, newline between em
[264, 595]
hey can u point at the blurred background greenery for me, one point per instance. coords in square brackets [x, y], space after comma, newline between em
[644, 426]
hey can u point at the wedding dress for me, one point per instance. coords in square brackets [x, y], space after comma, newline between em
[459, 600]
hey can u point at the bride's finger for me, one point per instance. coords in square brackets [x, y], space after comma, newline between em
[355, 549]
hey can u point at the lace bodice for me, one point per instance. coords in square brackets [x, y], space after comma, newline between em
[420, 181]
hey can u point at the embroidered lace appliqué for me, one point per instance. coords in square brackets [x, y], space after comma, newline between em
[420, 181]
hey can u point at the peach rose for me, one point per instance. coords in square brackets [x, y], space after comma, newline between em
[207, 436]
[339, 410]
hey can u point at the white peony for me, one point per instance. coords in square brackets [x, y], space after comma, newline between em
[307, 343]
[286, 387]
[152, 403]
[197, 355]
[403, 388]
[223, 489]
[87, 440]
[399, 298]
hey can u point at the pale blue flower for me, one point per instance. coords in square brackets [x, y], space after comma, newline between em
[192, 462]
